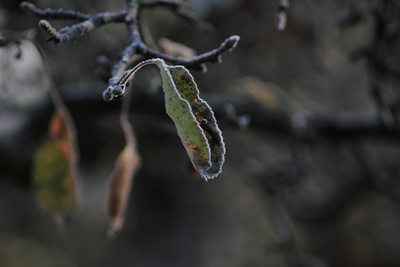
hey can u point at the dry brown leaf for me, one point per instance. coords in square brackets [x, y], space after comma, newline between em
[120, 181]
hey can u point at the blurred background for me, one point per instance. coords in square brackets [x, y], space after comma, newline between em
[311, 176]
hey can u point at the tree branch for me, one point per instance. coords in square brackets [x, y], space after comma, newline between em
[88, 22]
[213, 56]
[54, 14]
[136, 46]
[338, 126]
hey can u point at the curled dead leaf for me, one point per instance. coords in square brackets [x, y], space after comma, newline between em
[120, 181]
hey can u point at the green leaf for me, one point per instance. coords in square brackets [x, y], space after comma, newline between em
[194, 120]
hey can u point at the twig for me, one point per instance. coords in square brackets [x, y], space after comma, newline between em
[213, 56]
[134, 39]
[115, 89]
[68, 33]
[54, 14]
[336, 126]
[88, 22]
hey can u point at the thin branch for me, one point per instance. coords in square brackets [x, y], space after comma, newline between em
[132, 22]
[134, 38]
[136, 46]
[214, 56]
[54, 14]
[336, 126]
[348, 126]
[117, 87]
[69, 33]
[88, 22]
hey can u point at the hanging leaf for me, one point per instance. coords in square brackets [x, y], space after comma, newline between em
[194, 120]
[120, 181]
[55, 175]
[193, 117]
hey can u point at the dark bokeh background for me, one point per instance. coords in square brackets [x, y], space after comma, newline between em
[332, 201]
